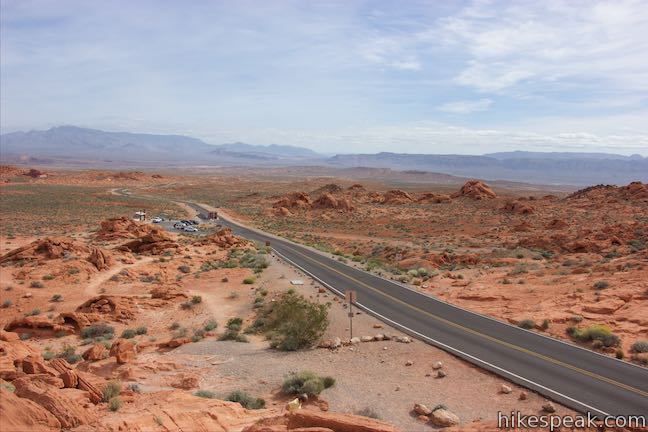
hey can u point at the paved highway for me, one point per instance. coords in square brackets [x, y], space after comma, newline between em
[578, 378]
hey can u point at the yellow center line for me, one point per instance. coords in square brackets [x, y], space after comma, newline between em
[477, 333]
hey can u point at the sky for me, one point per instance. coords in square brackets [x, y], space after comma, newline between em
[468, 77]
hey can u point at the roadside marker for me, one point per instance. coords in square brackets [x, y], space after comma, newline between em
[351, 297]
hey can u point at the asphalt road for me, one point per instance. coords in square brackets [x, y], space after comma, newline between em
[576, 377]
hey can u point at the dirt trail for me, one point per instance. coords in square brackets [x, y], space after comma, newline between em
[92, 289]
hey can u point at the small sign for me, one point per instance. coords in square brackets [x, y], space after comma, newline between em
[351, 296]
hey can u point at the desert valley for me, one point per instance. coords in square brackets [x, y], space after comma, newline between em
[115, 324]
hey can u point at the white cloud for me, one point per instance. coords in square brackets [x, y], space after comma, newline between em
[466, 106]
[545, 42]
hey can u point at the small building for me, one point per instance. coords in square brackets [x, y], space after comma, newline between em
[140, 215]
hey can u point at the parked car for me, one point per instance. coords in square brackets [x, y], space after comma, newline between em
[157, 219]
[186, 222]
[179, 225]
[190, 228]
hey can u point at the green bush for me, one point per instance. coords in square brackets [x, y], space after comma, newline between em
[235, 324]
[115, 403]
[601, 285]
[640, 346]
[249, 280]
[294, 322]
[210, 325]
[527, 324]
[545, 324]
[141, 330]
[207, 394]
[97, 330]
[128, 334]
[368, 412]
[56, 298]
[593, 333]
[112, 390]
[196, 299]
[36, 284]
[306, 382]
[245, 400]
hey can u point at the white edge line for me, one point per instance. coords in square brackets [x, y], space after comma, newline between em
[441, 344]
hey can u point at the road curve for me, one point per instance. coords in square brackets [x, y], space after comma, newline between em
[576, 377]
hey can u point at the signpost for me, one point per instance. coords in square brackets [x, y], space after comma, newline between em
[351, 297]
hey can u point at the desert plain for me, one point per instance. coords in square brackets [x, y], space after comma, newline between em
[114, 324]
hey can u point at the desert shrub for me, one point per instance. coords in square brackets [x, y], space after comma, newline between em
[97, 330]
[196, 299]
[245, 400]
[7, 386]
[25, 336]
[640, 346]
[368, 412]
[36, 284]
[115, 403]
[56, 298]
[141, 330]
[48, 355]
[179, 333]
[294, 322]
[599, 285]
[6, 303]
[249, 280]
[595, 332]
[128, 334]
[306, 382]
[112, 389]
[527, 324]
[545, 324]
[48, 277]
[175, 325]
[619, 354]
[185, 269]
[210, 325]
[235, 324]
[69, 354]
[207, 394]
[186, 305]
[198, 335]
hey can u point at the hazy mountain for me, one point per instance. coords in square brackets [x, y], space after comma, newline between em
[534, 167]
[75, 143]
[89, 147]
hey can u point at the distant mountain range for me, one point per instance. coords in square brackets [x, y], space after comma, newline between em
[70, 145]
[81, 144]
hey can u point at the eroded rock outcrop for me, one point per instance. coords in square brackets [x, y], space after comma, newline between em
[475, 189]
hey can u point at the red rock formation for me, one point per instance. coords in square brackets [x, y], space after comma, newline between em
[66, 411]
[123, 350]
[155, 242]
[18, 414]
[309, 420]
[123, 227]
[518, 207]
[95, 352]
[223, 239]
[118, 308]
[46, 249]
[100, 258]
[397, 196]
[294, 200]
[434, 198]
[475, 189]
[328, 201]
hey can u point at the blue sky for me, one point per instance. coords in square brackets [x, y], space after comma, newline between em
[335, 76]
